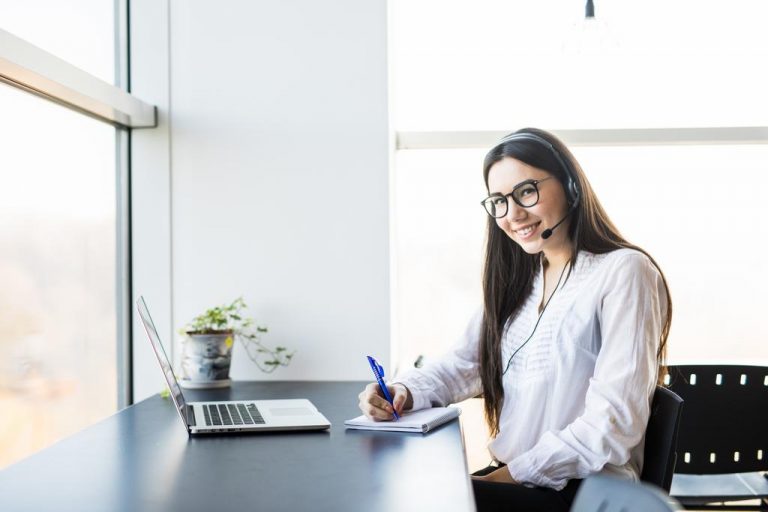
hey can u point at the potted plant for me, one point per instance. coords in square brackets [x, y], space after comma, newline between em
[208, 341]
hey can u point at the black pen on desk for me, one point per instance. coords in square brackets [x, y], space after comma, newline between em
[378, 371]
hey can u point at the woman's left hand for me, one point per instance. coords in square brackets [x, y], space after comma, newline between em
[500, 475]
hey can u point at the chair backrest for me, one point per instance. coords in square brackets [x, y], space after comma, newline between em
[725, 425]
[660, 453]
[610, 494]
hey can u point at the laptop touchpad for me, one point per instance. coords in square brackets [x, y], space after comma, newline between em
[291, 411]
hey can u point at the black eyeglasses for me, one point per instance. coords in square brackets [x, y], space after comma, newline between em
[525, 194]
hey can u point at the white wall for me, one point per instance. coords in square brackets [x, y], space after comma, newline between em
[150, 189]
[279, 175]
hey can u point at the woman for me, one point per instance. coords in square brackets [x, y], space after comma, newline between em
[569, 344]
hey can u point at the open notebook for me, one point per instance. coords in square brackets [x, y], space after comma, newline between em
[419, 421]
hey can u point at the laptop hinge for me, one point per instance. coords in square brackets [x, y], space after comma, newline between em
[191, 416]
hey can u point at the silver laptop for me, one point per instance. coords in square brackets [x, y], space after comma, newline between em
[232, 416]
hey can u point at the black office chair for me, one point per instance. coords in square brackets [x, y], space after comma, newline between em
[723, 438]
[610, 494]
[661, 438]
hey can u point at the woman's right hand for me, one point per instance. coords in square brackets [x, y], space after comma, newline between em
[375, 406]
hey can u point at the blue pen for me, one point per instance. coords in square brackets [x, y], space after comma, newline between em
[378, 371]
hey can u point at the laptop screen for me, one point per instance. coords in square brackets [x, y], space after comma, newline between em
[170, 378]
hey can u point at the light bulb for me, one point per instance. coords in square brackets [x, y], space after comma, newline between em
[589, 35]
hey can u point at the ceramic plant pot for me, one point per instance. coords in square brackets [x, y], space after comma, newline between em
[206, 359]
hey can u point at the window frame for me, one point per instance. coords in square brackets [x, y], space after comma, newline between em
[589, 137]
[26, 67]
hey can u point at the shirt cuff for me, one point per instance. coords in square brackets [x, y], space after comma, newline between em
[420, 400]
[522, 470]
[525, 469]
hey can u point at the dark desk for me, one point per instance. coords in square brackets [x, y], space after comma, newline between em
[141, 459]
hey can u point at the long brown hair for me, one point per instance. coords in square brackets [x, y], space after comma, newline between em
[509, 271]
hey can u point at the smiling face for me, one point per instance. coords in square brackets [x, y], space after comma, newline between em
[525, 225]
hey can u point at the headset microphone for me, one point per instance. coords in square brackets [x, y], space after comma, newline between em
[548, 232]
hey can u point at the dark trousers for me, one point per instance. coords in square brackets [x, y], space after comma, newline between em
[499, 497]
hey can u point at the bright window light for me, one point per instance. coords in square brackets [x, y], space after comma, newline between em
[58, 191]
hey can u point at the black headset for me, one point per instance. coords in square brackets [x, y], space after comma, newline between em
[571, 183]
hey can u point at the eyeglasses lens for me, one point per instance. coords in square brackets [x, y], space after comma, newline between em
[496, 206]
[526, 195]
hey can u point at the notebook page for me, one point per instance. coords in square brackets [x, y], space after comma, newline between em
[418, 421]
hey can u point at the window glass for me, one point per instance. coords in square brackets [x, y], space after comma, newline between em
[81, 32]
[698, 210]
[501, 65]
[439, 228]
[58, 370]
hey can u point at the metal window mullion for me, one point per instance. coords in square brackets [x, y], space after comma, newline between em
[123, 218]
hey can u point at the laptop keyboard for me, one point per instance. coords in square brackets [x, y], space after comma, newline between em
[232, 414]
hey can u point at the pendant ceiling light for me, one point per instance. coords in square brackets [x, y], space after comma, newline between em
[589, 35]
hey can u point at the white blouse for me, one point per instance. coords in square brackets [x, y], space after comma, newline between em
[577, 395]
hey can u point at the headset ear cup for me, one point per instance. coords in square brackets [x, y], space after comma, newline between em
[573, 192]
